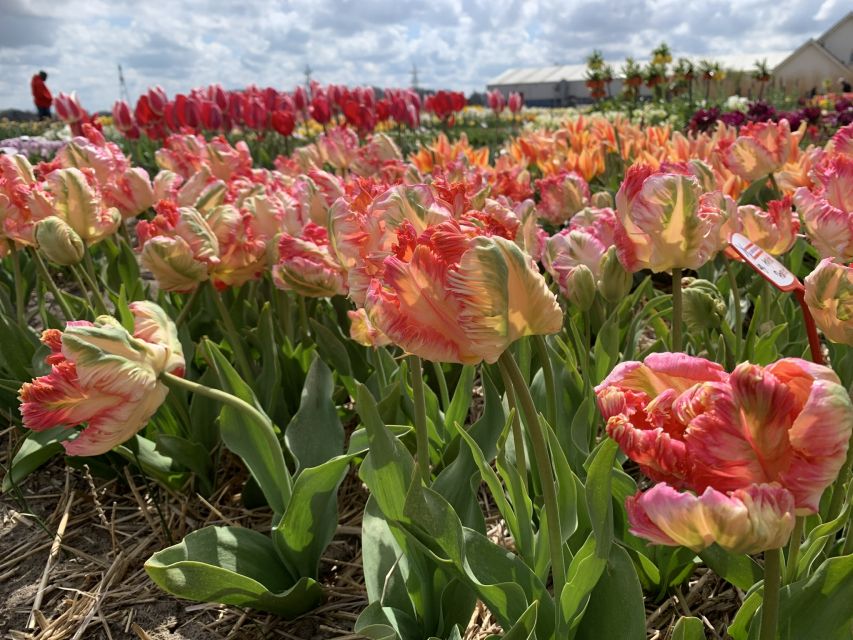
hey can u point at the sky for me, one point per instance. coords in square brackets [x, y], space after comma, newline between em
[458, 44]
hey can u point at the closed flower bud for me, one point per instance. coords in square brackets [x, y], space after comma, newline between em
[580, 287]
[615, 281]
[602, 200]
[59, 242]
[703, 304]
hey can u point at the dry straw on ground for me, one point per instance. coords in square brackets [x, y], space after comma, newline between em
[73, 547]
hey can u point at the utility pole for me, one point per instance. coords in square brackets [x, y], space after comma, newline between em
[414, 76]
[308, 70]
[122, 86]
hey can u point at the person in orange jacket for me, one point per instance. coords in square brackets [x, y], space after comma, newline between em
[41, 94]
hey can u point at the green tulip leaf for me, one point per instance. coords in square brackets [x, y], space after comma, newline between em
[234, 566]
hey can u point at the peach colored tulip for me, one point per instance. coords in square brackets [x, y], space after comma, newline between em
[103, 376]
[688, 423]
[829, 295]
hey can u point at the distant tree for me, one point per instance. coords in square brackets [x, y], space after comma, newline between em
[762, 75]
[633, 78]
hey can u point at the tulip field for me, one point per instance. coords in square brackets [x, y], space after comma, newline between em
[320, 364]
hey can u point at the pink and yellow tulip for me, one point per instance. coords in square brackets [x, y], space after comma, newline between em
[829, 296]
[104, 378]
[688, 423]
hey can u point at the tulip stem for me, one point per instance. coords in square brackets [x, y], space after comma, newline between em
[188, 305]
[303, 317]
[543, 466]
[548, 374]
[770, 606]
[794, 550]
[421, 433]
[176, 382]
[676, 310]
[233, 338]
[20, 289]
[778, 191]
[839, 492]
[730, 272]
[41, 267]
[517, 433]
[442, 385]
[86, 283]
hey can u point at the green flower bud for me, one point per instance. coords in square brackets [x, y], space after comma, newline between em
[580, 287]
[58, 241]
[615, 282]
[704, 307]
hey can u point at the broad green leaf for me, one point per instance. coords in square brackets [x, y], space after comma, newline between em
[250, 437]
[309, 523]
[688, 629]
[525, 628]
[331, 348]
[461, 401]
[36, 449]
[386, 623]
[599, 496]
[585, 570]
[618, 584]
[235, 566]
[739, 570]
[388, 467]
[500, 579]
[190, 454]
[142, 451]
[315, 433]
[818, 607]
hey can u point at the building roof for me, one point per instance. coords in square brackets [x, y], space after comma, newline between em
[817, 46]
[576, 72]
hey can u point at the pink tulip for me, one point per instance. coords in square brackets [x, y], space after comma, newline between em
[561, 196]
[760, 149]
[829, 295]
[452, 295]
[306, 266]
[774, 230]
[747, 520]
[103, 377]
[157, 100]
[68, 108]
[666, 221]
[496, 101]
[122, 117]
[688, 423]
[585, 242]
[827, 210]
[515, 102]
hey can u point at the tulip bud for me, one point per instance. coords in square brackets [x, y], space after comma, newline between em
[580, 287]
[602, 200]
[59, 242]
[703, 304]
[615, 281]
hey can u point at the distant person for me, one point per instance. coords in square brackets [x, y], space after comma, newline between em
[813, 92]
[41, 94]
[845, 85]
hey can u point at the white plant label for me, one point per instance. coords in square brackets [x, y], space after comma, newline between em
[769, 267]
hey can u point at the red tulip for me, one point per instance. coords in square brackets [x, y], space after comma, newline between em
[283, 122]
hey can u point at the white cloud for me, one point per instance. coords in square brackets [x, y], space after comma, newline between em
[455, 43]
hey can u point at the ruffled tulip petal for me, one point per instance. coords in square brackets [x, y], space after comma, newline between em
[829, 296]
[414, 308]
[173, 264]
[662, 371]
[819, 439]
[503, 297]
[749, 520]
